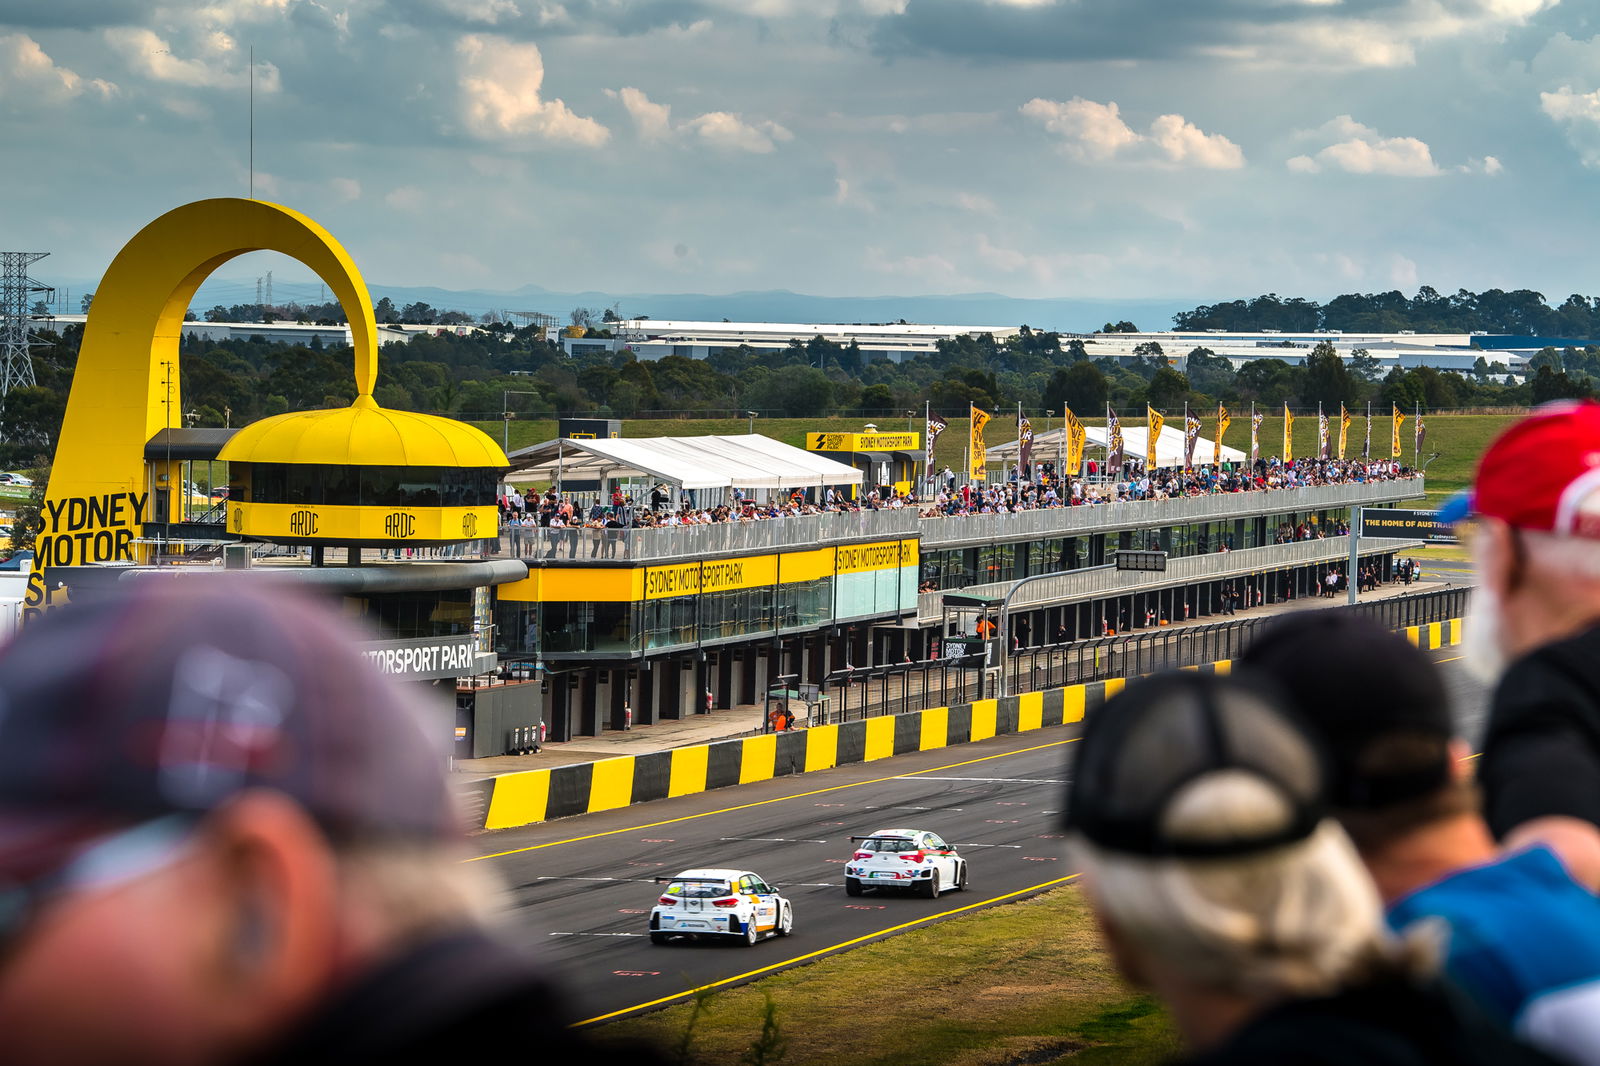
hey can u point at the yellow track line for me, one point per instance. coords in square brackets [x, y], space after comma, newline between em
[823, 951]
[763, 803]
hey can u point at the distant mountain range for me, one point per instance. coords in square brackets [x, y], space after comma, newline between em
[775, 305]
[780, 305]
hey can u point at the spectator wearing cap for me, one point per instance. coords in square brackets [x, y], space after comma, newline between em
[1534, 624]
[1197, 812]
[225, 838]
[1523, 938]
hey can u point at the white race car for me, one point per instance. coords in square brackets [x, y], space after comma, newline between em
[733, 904]
[904, 858]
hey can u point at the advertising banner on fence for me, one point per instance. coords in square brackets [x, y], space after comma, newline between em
[1395, 522]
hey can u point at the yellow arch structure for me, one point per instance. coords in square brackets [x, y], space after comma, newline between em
[125, 389]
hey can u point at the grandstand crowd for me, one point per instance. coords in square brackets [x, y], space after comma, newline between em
[943, 495]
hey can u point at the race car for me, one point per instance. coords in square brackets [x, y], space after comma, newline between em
[722, 904]
[904, 858]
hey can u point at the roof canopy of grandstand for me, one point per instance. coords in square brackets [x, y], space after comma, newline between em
[747, 461]
[1169, 446]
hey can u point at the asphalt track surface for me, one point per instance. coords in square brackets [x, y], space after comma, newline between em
[582, 888]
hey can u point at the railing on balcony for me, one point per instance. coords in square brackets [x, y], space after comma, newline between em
[956, 530]
[898, 687]
[575, 545]
[1077, 585]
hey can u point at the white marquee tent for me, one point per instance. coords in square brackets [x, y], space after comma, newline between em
[747, 461]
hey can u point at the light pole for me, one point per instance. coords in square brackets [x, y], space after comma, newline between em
[752, 416]
[505, 411]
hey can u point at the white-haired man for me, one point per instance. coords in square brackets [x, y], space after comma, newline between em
[1535, 626]
[1197, 813]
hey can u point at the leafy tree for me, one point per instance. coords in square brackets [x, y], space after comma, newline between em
[875, 399]
[1168, 389]
[1266, 381]
[1546, 357]
[1081, 386]
[1209, 372]
[1121, 327]
[384, 311]
[1364, 365]
[1548, 384]
[1327, 381]
[1401, 389]
[969, 386]
[803, 392]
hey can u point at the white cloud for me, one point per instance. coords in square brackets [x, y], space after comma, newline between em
[1365, 151]
[720, 129]
[346, 189]
[1578, 114]
[1092, 130]
[727, 130]
[1492, 166]
[1185, 143]
[1384, 36]
[652, 120]
[153, 57]
[487, 11]
[1096, 131]
[500, 82]
[33, 75]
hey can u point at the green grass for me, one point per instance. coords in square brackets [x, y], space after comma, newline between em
[1027, 981]
[1459, 439]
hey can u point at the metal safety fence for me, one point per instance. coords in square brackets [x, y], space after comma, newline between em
[899, 687]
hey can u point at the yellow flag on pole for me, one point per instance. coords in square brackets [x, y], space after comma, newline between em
[1153, 422]
[1077, 436]
[979, 468]
[1288, 434]
[1399, 420]
[1223, 422]
[1345, 418]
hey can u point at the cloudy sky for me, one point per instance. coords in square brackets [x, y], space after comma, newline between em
[1194, 149]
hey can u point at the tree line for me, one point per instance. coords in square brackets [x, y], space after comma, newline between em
[1519, 312]
[483, 376]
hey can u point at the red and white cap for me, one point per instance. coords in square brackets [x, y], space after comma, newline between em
[1543, 473]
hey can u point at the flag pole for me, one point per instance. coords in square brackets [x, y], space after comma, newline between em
[1061, 450]
[927, 449]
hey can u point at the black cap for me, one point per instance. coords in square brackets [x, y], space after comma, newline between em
[1141, 749]
[1356, 682]
[175, 694]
